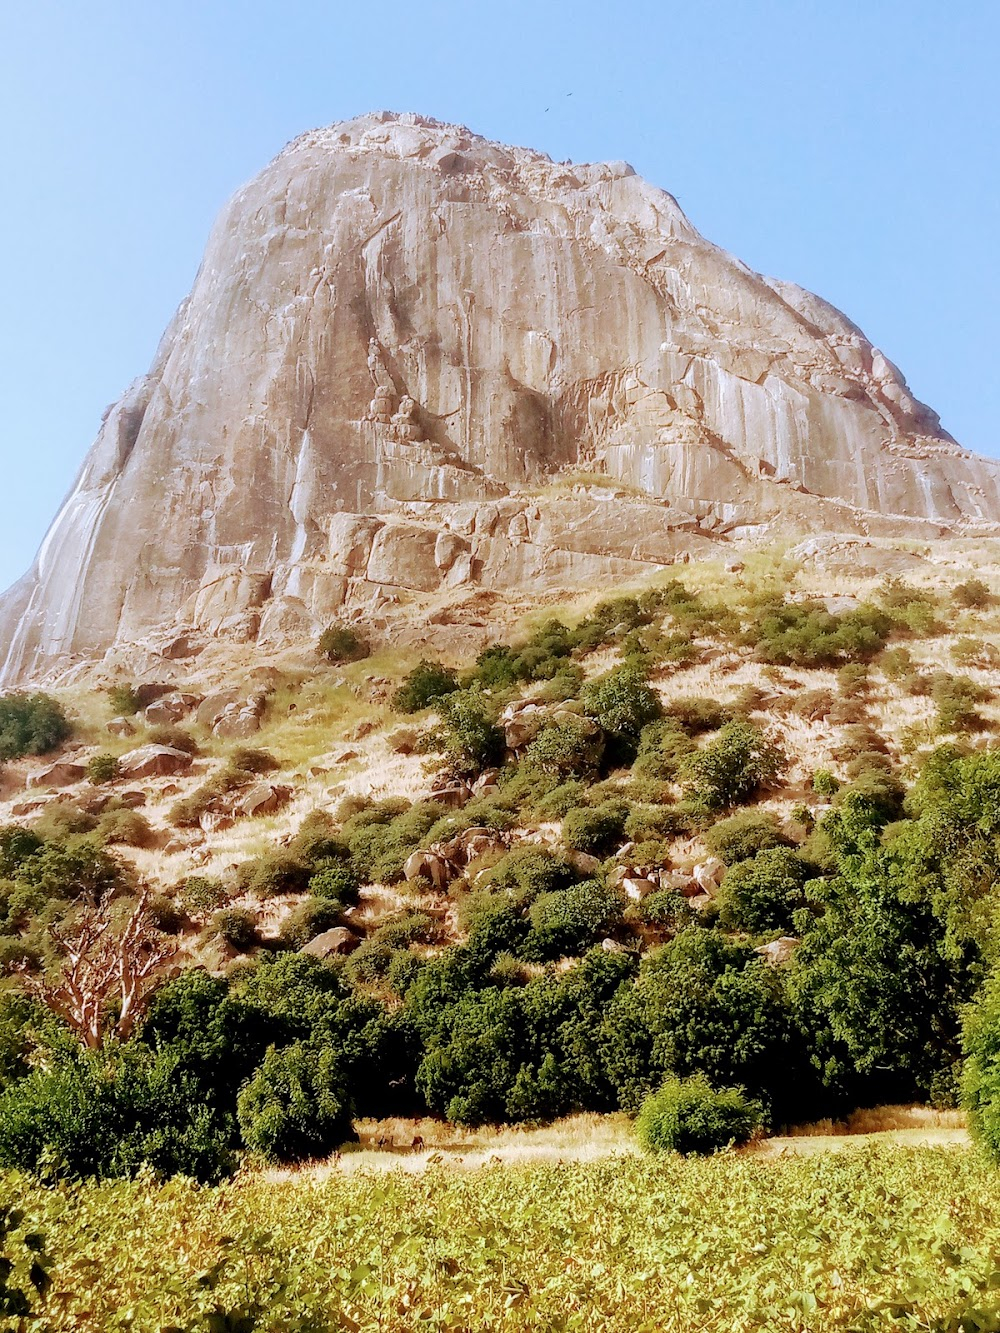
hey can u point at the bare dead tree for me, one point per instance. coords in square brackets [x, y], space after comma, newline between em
[105, 970]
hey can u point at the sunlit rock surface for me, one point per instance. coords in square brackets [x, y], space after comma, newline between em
[406, 350]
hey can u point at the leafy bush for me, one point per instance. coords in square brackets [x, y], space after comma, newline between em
[981, 1077]
[697, 714]
[526, 872]
[622, 702]
[569, 921]
[763, 893]
[31, 724]
[648, 822]
[566, 746]
[109, 1113]
[807, 634]
[690, 1116]
[340, 643]
[469, 736]
[955, 698]
[201, 894]
[102, 768]
[176, 737]
[744, 835]
[307, 919]
[427, 684]
[666, 909]
[273, 872]
[296, 1105]
[125, 700]
[237, 927]
[663, 745]
[596, 831]
[706, 1004]
[824, 783]
[130, 828]
[733, 767]
[972, 594]
[335, 882]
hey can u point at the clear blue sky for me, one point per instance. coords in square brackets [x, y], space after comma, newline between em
[850, 147]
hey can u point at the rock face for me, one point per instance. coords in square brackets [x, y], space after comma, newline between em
[400, 337]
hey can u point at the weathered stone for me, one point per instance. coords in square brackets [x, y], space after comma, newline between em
[63, 773]
[170, 708]
[120, 726]
[153, 761]
[339, 940]
[264, 798]
[778, 952]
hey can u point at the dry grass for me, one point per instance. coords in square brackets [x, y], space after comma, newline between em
[414, 1145]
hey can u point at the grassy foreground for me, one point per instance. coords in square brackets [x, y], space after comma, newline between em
[865, 1238]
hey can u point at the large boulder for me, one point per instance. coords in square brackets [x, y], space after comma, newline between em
[339, 940]
[63, 773]
[153, 761]
[342, 352]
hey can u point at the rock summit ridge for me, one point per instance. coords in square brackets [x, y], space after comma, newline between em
[415, 360]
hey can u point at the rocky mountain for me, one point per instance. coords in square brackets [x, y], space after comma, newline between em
[415, 361]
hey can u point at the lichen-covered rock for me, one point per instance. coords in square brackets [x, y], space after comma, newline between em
[402, 330]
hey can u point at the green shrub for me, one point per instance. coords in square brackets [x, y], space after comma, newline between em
[129, 828]
[972, 595]
[201, 894]
[335, 882]
[666, 909]
[296, 1106]
[380, 842]
[824, 783]
[526, 872]
[896, 663]
[696, 714]
[663, 746]
[340, 643]
[237, 927]
[733, 767]
[307, 919]
[125, 700]
[690, 1116]
[109, 1113]
[273, 872]
[622, 703]
[647, 822]
[102, 768]
[557, 803]
[469, 736]
[744, 835]
[596, 831]
[955, 698]
[763, 893]
[807, 634]
[981, 1077]
[31, 724]
[427, 684]
[569, 921]
[565, 747]
[173, 736]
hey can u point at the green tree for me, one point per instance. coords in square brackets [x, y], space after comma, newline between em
[31, 724]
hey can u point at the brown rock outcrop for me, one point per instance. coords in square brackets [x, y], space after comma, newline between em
[400, 335]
